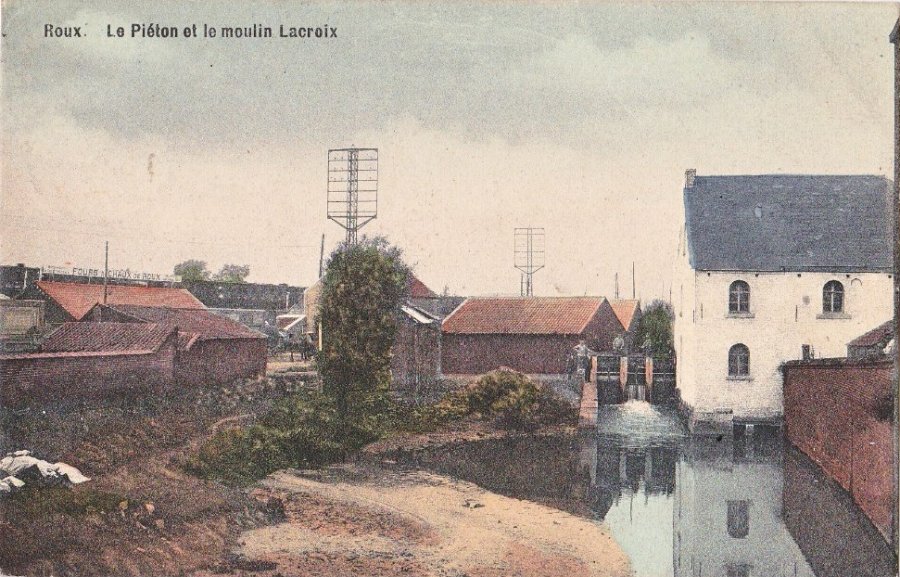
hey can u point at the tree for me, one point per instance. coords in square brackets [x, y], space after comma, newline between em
[192, 270]
[233, 273]
[654, 333]
[362, 291]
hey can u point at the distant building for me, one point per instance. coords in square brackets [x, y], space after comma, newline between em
[416, 355]
[67, 302]
[628, 311]
[21, 325]
[419, 296]
[772, 268]
[15, 280]
[535, 335]
[256, 319]
[245, 295]
[875, 344]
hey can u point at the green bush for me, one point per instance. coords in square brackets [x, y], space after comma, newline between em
[514, 400]
[300, 431]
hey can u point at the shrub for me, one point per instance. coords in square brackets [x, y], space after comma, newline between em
[514, 400]
[300, 431]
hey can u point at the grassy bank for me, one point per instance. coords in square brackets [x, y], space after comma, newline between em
[305, 430]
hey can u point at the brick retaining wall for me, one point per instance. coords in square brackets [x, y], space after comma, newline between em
[834, 413]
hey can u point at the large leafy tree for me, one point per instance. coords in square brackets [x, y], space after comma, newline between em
[362, 290]
[192, 270]
[233, 273]
[654, 332]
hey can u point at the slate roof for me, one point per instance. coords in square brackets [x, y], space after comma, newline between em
[789, 222]
[625, 311]
[193, 324]
[77, 299]
[106, 337]
[878, 336]
[525, 315]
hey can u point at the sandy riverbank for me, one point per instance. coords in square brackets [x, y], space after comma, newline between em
[367, 520]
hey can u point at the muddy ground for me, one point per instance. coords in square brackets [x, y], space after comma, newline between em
[142, 514]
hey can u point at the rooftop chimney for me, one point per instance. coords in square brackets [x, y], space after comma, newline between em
[689, 176]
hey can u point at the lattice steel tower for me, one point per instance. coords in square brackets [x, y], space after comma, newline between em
[352, 188]
[529, 256]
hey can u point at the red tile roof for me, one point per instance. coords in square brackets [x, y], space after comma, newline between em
[106, 337]
[418, 290]
[625, 311]
[877, 336]
[193, 324]
[526, 315]
[77, 299]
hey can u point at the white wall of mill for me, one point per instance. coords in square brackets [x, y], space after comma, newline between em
[786, 309]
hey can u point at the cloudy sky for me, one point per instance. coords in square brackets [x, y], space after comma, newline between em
[487, 115]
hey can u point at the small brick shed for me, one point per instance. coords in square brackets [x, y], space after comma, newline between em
[211, 348]
[534, 335]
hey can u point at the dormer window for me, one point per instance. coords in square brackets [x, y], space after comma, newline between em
[833, 297]
[739, 297]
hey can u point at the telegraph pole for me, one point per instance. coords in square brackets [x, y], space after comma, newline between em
[895, 38]
[321, 255]
[105, 272]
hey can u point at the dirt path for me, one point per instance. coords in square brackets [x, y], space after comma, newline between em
[366, 520]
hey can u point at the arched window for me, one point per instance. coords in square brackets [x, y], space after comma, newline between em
[739, 297]
[833, 297]
[738, 361]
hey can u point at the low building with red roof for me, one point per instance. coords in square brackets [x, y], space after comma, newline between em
[81, 361]
[873, 344]
[534, 335]
[67, 302]
[211, 348]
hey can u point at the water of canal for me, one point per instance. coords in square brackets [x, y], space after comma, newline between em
[679, 505]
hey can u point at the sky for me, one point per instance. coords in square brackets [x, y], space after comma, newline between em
[579, 118]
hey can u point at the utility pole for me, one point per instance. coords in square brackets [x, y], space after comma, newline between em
[105, 272]
[321, 255]
[633, 289]
[895, 194]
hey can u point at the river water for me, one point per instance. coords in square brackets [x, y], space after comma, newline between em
[678, 505]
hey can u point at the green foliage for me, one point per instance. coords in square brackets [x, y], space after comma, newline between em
[192, 270]
[515, 401]
[233, 273]
[510, 398]
[363, 288]
[300, 431]
[655, 330]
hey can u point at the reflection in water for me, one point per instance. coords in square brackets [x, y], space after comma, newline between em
[683, 506]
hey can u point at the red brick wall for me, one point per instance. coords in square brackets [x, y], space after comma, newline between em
[221, 361]
[51, 377]
[830, 413]
[532, 354]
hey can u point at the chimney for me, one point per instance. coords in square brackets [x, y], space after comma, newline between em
[689, 176]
